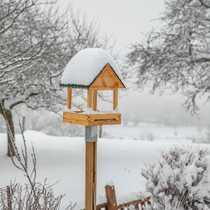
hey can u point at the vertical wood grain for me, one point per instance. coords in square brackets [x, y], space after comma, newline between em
[89, 176]
[69, 96]
[115, 99]
[89, 98]
[95, 170]
[94, 100]
[111, 197]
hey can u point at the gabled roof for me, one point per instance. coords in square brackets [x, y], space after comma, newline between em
[107, 79]
[92, 68]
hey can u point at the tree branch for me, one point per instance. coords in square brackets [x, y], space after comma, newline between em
[204, 4]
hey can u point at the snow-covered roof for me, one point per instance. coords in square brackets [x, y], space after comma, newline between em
[86, 66]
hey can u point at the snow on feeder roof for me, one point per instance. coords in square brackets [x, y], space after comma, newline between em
[92, 68]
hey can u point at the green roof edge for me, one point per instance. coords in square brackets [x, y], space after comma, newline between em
[75, 86]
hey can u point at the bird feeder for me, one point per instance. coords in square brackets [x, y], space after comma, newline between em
[92, 69]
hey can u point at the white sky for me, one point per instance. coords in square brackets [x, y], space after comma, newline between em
[125, 20]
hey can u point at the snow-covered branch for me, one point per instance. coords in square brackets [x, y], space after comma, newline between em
[176, 56]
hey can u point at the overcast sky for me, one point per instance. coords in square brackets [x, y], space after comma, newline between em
[125, 20]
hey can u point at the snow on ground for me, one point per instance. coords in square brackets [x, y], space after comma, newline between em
[148, 131]
[119, 161]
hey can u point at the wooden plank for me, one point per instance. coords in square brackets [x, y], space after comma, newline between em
[103, 122]
[115, 77]
[125, 205]
[95, 171]
[108, 73]
[79, 112]
[100, 206]
[75, 116]
[89, 98]
[97, 83]
[104, 82]
[89, 176]
[94, 100]
[103, 116]
[115, 99]
[69, 97]
[105, 79]
[90, 117]
[135, 203]
[111, 197]
[110, 82]
[78, 122]
[90, 120]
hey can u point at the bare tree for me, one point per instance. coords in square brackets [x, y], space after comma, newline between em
[176, 56]
[36, 43]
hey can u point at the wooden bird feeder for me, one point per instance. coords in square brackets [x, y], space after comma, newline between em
[92, 69]
[103, 76]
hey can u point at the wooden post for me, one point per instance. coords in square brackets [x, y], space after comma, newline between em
[115, 99]
[89, 98]
[91, 175]
[94, 150]
[69, 95]
[111, 197]
[95, 171]
[91, 162]
[94, 100]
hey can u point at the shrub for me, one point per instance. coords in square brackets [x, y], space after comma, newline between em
[34, 195]
[179, 180]
[38, 197]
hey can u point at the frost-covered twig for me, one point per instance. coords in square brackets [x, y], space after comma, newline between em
[34, 196]
[180, 179]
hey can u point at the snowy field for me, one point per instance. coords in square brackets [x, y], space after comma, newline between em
[121, 156]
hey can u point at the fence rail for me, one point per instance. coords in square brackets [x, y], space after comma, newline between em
[112, 203]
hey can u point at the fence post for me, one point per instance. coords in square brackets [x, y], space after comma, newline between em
[111, 197]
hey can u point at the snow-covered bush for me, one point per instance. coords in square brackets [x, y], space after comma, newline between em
[41, 197]
[179, 180]
[33, 195]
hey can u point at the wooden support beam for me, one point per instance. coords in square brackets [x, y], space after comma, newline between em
[90, 178]
[94, 100]
[115, 99]
[69, 96]
[89, 98]
[111, 197]
[95, 171]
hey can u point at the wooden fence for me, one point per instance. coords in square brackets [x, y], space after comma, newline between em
[112, 202]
